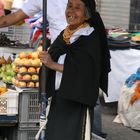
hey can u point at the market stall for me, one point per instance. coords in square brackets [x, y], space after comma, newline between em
[123, 63]
[19, 67]
[125, 60]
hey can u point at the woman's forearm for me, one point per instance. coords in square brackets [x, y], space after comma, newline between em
[13, 18]
[57, 67]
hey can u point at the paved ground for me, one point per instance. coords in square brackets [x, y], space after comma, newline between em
[116, 131]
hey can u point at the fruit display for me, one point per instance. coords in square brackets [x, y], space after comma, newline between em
[7, 73]
[27, 66]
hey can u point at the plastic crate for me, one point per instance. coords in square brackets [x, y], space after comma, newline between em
[29, 113]
[27, 133]
[9, 103]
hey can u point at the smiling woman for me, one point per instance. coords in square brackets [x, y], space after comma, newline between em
[77, 64]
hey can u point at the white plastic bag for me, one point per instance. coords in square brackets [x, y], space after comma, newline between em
[128, 115]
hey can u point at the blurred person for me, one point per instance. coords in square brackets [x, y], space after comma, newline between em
[55, 15]
[1, 9]
[97, 120]
[84, 68]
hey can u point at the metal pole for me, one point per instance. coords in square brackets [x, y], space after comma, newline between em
[46, 43]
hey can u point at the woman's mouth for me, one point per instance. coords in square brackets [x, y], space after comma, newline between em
[71, 17]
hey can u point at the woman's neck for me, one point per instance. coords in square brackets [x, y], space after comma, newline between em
[73, 28]
[68, 32]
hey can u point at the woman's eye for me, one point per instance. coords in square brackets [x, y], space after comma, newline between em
[69, 6]
[77, 8]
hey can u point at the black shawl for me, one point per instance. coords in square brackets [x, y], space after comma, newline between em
[84, 70]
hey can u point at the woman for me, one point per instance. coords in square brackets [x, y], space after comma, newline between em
[82, 50]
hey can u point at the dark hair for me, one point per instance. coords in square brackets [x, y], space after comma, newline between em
[94, 16]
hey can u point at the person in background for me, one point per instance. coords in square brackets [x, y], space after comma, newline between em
[1, 9]
[97, 121]
[57, 22]
[84, 68]
[55, 15]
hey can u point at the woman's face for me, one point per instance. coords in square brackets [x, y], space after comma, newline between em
[75, 13]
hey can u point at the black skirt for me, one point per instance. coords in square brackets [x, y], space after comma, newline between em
[66, 120]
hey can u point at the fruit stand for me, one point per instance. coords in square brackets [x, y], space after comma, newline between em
[19, 106]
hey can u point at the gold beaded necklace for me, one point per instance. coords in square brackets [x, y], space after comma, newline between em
[69, 32]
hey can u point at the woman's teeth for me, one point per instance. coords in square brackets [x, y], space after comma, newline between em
[71, 17]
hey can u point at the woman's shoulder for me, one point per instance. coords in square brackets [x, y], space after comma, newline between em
[94, 36]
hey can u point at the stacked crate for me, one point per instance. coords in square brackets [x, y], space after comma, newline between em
[28, 115]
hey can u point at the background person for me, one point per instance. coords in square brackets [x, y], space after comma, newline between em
[55, 15]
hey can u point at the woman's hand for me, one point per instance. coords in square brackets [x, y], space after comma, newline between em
[46, 59]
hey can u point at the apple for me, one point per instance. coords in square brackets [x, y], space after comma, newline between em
[39, 62]
[13, 65]
[16, 69]
[31, 69]
[14, 81]
[27, 62]
[9, 79]
[3, 68]
[19, 76]
[22, 84]
[23, 55]
[39, 49]
[34, 55]
[37, 70]
[8, 66]
[37, 84]
[29, 55]
[23, 69]
[17, 60]
[21, 61]
[35, 62]
[10, 73]
[30, 84]
[27, 77]
[4, 78]
[35, 77]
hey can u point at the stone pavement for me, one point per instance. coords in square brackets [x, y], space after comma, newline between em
[116, 131]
